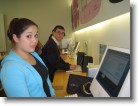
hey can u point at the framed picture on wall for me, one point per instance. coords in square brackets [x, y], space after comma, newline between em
[84, 11]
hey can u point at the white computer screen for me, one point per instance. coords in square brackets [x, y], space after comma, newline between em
[112, 72]
[76, 47]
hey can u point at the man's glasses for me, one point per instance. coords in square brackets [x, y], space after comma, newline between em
[60, 33]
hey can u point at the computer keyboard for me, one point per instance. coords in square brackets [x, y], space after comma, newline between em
[78, 68]
[72, 95]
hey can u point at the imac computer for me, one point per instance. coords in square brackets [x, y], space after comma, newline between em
[113, 76]
[76, 47]
[66, 45]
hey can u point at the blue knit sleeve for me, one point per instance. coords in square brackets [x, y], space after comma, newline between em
[13, 80]
[50, 86]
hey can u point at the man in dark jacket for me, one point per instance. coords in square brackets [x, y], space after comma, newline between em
[51, 53]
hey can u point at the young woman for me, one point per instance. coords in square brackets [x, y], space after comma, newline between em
[23, 72]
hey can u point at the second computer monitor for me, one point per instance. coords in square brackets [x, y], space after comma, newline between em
[76, 47]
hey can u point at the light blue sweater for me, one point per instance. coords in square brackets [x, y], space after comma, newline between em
[20, 79]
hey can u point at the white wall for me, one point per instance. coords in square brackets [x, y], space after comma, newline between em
[115, 32]
[2, 35]
[107, 11]
[46, 13]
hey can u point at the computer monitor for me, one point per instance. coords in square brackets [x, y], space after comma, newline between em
[80, 57]
[113, 77]
[76, 47]
[86, 60]
[66, 45]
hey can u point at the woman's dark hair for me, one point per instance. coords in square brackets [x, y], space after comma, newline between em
[18, 26]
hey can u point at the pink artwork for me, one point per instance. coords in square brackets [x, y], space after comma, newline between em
[84, 10]
[75, 13]
[88, 10]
